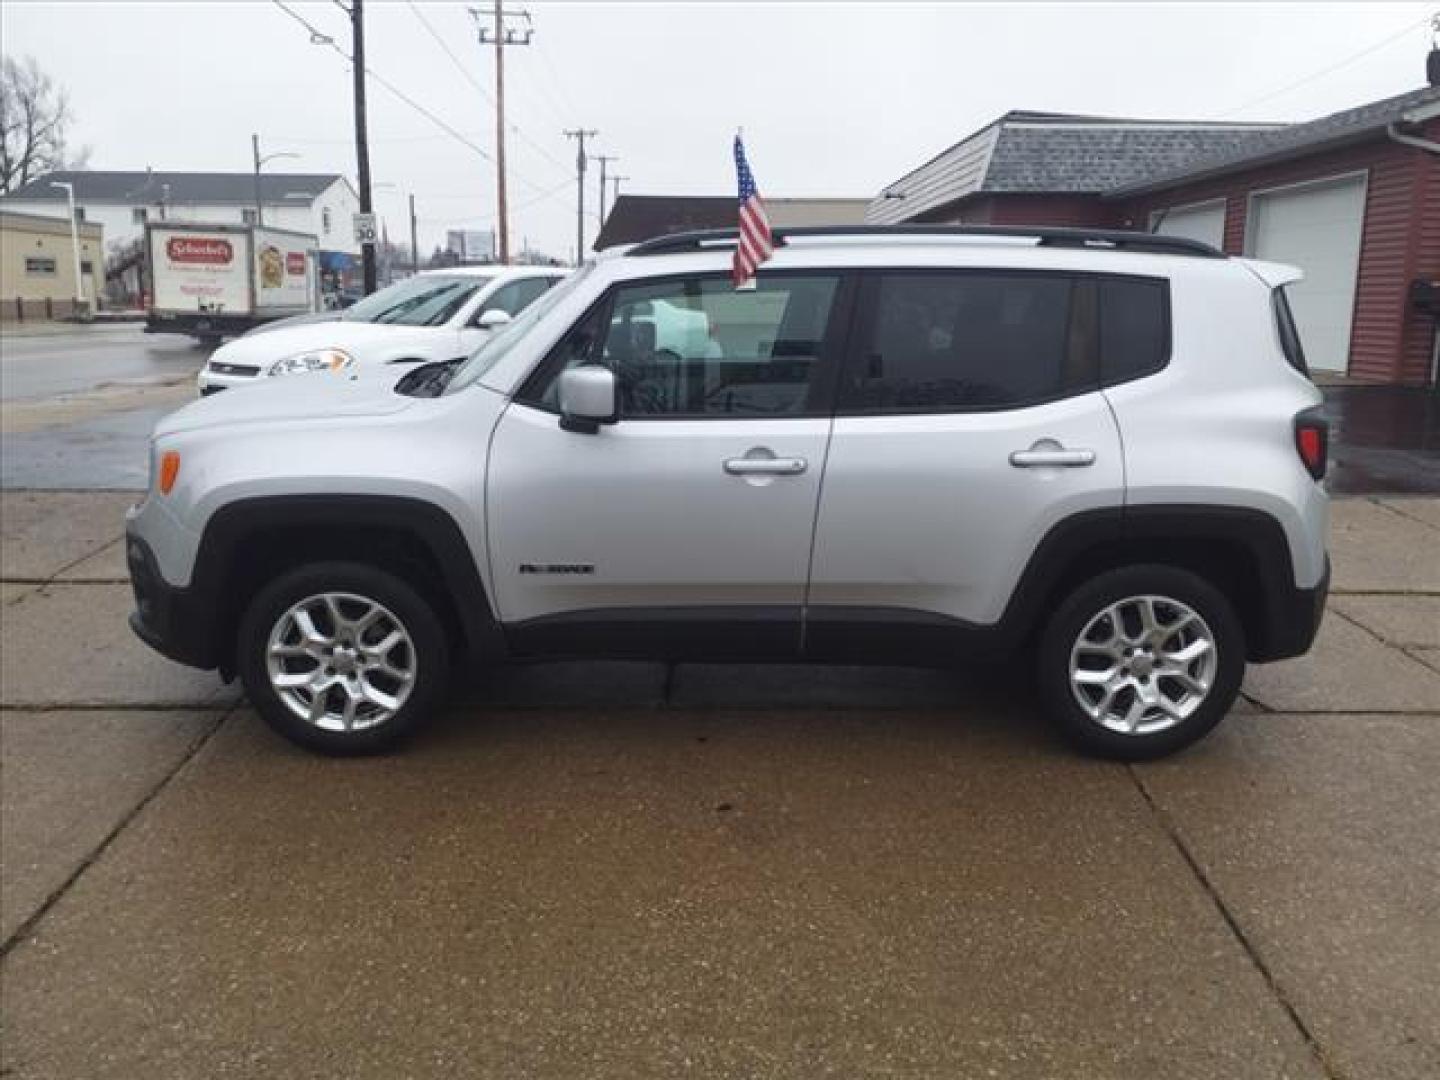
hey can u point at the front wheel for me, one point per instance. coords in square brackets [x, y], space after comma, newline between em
[1140, 662]
[342, 658]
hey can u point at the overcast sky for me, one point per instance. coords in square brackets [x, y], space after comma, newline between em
[835, 99]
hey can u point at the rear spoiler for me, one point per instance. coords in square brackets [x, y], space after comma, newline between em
[1273, 274]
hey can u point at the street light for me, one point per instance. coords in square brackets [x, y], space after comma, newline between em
[69, 190]
[255, 146]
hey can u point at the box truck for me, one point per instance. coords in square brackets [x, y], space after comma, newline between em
[214, 281]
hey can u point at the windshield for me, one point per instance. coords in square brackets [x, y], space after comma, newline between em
[424, 300]
[490, 353]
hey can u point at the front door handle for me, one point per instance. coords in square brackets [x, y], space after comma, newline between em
[1048, 458]
[759, 466]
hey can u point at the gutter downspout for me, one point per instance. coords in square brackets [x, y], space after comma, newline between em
[1410, 140]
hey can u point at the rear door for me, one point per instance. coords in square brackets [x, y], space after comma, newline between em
[969, 422]
[685, 526]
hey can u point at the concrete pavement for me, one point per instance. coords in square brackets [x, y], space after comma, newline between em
[630, 871]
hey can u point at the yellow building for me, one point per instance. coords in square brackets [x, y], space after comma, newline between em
[37, 266]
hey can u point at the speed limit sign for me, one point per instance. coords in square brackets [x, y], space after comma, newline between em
[365, 229]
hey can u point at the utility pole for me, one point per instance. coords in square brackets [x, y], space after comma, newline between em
[500, 37]
[580, 135]
[414, 243]
[259, 203]
[603, 159]
[615, 195]
[255, 147]
[362, 142]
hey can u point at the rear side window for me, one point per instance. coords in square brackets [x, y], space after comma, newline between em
[962, 342]
[1289, 332]
[1134, 327]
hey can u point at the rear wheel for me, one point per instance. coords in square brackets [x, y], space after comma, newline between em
[342, 657]
[1140, 662]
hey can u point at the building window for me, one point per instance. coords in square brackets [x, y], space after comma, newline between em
[40, 265]
[249, 217]
[139, 215]
[80, 213]
[87, 267]
[325, 220]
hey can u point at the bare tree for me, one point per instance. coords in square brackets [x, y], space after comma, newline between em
[35, 119]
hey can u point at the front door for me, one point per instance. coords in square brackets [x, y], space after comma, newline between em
[685, 526]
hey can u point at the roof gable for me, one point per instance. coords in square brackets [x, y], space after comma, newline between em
[1037, 152]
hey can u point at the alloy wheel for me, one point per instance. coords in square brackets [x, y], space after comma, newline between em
[1143, 665]
[341, 662]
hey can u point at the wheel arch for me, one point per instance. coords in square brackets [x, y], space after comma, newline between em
[1242, 552]
[248, 542]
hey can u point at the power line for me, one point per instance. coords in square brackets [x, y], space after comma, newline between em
[319, 38]
[465, 73]
[1328, 70]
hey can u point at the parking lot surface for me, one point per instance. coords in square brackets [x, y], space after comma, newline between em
[634, 870]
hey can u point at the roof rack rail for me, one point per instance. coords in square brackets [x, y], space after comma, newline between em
[1094, 239]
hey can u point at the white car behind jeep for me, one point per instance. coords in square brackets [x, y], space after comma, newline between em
[921, 445]
[435, 315]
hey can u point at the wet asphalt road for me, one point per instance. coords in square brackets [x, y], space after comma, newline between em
[36, 365]
[1384, 440]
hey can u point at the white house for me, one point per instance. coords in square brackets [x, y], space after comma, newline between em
[320, 204]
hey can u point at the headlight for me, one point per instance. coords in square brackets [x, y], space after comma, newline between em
[314, 360]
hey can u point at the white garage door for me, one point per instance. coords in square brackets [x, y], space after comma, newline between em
[1317, 228]
[1205, 223]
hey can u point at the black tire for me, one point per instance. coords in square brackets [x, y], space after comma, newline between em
[402, 604]
[1091, 599]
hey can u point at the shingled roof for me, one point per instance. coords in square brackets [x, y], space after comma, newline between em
[140, 187]
[1337, 129]
[1059, 153]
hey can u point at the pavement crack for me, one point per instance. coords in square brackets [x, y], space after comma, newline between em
[24, 930]
[1172, 831]
[1401, 513]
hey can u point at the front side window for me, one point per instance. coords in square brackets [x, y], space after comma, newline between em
[698, 347]
[40, 265]
[962, 341]
[426, 300]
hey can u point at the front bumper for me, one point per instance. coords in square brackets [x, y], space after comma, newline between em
[175, 622]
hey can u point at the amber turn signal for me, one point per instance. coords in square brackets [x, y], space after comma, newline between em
[169, 470]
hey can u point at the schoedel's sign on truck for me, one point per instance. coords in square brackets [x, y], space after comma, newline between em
[213, 280]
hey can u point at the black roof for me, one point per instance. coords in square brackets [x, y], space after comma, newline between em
[145, 186]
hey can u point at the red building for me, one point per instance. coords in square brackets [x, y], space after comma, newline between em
[1352, 198]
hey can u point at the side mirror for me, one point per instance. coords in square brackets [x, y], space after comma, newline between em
[587, 398]
[492, 319]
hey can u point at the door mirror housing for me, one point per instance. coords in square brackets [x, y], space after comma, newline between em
[587, 398]
[492, 319]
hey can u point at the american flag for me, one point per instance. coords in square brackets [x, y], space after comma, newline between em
[754, 245]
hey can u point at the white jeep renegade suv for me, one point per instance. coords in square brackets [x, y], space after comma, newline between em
[923, 445]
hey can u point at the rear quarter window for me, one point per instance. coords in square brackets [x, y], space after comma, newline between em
[1134, 328]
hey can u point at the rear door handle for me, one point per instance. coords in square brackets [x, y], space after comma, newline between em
[782, 466]
[1068, 459]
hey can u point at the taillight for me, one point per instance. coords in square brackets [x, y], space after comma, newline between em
[1312, 441]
